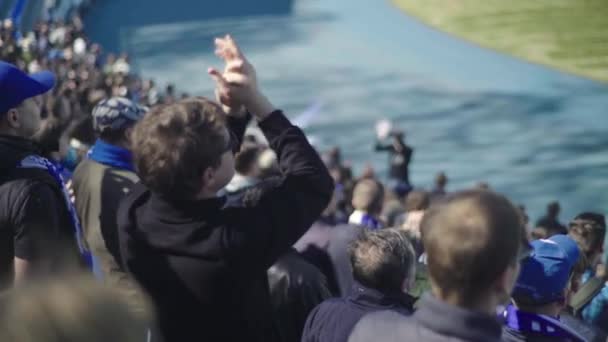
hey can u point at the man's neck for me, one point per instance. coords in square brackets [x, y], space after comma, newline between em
[481, 305]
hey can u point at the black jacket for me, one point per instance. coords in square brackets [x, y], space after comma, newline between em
[334, 319]
[34, 220]
[341, 237]
[204, 262]
[399, 160]
[296, 287]
[434, 321]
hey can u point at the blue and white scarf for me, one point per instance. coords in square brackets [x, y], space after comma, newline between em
[540, 324]
[111, 155]
[38, 162]
[360, 218]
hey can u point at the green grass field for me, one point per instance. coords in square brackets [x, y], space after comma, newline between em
[570, 35]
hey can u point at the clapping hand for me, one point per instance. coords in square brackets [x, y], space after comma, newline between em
[237, 86]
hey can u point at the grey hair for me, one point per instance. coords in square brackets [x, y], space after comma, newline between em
[382, 259]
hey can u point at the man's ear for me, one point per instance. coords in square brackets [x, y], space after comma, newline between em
[12, 117]
[208, 176]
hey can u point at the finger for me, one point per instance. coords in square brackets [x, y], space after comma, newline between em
[223, 53]
[236, 65]
[224, 99]
[233, 47]
[235, 78]
[221, 48]
[224, 48]
[217, 77]
[222, 96]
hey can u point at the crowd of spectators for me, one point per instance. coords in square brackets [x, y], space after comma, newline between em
[127, 214]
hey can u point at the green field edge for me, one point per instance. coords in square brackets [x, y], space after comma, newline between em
[468, 40]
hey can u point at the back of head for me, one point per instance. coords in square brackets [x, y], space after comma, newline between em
[441, 180]
[553, 209]
[70, 309]
[382, 260]
[417, 200]
[174, 144]
[113, 117]
[471, 238]
[588, 230]
[368, 196]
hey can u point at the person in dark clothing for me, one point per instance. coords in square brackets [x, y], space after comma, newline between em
[474, 241]
[313, 245]
[383, 265]
[330, 243]
[296, 287]
[99, 183]
[400, 156]
[202, 260]
[439, 190]
[550, 221]
[541, 293]
[36, 228]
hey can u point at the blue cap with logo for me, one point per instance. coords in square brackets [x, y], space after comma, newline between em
[16, 86]
[545, 273]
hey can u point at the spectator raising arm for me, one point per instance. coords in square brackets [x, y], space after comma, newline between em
[283, 213]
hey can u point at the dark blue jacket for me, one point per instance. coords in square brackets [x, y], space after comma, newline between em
[434, 321]
[334, 319]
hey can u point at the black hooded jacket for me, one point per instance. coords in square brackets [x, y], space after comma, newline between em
[204, 262]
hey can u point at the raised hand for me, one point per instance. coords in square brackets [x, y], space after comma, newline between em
[237, 86]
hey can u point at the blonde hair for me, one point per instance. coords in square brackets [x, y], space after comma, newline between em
[70, 309]
[368, 196]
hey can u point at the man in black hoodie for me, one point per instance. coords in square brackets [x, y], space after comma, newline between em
[35, 222]
[202, 260]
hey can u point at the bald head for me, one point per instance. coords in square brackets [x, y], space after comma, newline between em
[471, 238]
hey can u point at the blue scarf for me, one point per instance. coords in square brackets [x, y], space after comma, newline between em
[34, 161]
[111, 155]
[370, 222]
[365, 220]
[525, 322]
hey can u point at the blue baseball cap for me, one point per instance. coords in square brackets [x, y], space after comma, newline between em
[16, 86]
[545, 273]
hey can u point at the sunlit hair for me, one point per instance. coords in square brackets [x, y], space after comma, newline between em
[174, 144]
[67, 309]
[471, 238]
[382, 259]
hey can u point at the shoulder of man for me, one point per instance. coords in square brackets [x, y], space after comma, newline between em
[297, 270]
[19, 183]
[384, 326]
